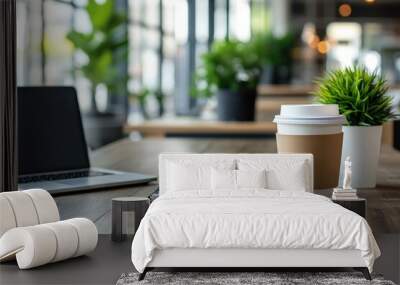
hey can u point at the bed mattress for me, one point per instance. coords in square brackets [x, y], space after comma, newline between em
[250, 219]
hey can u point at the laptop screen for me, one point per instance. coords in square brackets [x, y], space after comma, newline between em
[50, 133]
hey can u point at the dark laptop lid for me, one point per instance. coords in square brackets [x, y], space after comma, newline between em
[50, 132]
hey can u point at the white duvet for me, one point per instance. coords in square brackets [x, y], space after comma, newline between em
[250, 219]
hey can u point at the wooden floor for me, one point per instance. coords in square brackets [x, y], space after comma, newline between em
[383, 212]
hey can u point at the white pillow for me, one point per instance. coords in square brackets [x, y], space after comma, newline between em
[251, 178]
[185, 175]
[225, 179]
[282, 174]
[296, 181]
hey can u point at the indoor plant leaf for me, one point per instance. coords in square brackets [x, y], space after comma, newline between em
[361, 95]
[100, 13]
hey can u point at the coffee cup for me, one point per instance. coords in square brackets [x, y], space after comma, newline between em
[316, 129]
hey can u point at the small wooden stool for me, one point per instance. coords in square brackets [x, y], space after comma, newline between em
[138, 205]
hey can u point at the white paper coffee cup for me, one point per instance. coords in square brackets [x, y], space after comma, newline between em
[316, 129]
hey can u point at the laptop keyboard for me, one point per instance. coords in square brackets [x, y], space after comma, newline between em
[61, 176]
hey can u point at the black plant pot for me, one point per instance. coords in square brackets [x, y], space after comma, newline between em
[272, 74]
[396, 134]
[236, 106]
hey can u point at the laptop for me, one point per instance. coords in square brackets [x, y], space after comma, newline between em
[52, 149]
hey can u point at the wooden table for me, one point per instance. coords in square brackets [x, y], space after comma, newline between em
[185, 127]
[142, 156]
[272, 96]
[292, 90]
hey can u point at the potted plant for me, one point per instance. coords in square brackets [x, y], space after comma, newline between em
[277, 57]
[231, 70]
[362, 99]
[105, 47]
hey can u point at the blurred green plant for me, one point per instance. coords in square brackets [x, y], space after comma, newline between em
[233, 65]
[143, 97]
[275, 50]
[230, 65]
[361, 95]
[106, 46]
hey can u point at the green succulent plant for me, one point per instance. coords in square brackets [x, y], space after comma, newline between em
[106, 46]
[361, 95]
[230, 65]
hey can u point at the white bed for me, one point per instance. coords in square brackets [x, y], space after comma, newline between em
[197, 222]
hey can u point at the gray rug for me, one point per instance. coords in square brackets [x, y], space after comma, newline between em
[232, 278]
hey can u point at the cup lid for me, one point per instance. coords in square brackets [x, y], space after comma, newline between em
[309, 110]
[310, 114]
[332, 120]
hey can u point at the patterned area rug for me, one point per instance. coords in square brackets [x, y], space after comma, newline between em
[233, 278]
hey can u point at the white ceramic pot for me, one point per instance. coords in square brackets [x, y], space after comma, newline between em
[362, 144]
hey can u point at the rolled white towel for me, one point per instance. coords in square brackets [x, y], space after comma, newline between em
[40, 244]
[23, 208]
[45, 205]
[7, 218]
[32, 246]
[67, 240]
[26, 208]
[87, 235]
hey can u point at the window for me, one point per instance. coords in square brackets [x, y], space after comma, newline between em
[44, 56]
[166, 40]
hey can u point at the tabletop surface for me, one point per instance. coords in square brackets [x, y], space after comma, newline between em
[187, 126]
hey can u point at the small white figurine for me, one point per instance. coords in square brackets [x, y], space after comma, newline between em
[347, 174]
